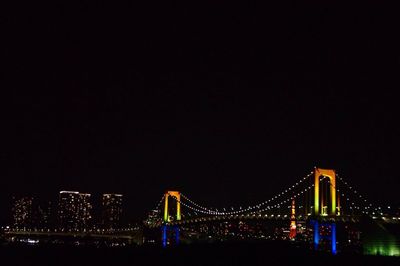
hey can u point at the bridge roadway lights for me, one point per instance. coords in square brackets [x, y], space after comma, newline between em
[165, 232]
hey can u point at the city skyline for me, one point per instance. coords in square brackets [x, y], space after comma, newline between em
[70, 211]
[102, 203]
[140, 213]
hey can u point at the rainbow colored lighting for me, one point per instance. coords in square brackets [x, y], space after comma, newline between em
[332, 178]
[177, 195]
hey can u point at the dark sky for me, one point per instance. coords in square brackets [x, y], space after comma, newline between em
[227, 103]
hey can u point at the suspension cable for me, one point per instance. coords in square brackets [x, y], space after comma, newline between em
[367, 203]
[259, 209]
[353, 205]
[249, 208]
[197, 208]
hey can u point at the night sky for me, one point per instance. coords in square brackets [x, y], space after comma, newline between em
[227, 103]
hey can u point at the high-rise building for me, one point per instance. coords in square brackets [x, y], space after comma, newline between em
[67, 210]
[74, 211]
[23, 212]
[44, 215]
[111, 211]
[84, 211]
[154, 218]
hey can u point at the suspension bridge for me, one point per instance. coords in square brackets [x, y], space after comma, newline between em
[322, 200]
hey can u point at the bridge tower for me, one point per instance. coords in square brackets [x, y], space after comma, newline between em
[319, 209]
[166, 228]
[332, 179]
[177, 195]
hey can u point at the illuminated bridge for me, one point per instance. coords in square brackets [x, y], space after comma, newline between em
[322, 201]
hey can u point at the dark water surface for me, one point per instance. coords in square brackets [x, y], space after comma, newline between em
[273, 253]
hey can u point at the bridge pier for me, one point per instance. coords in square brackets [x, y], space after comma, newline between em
[170, 234]
[317, 236]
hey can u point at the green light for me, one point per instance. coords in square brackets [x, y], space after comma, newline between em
[379, 241]
[387, 249]
[166, 208]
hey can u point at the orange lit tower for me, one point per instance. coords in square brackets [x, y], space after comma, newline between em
[332, 178]
[319, 210]
[176, 195]
[165, 228]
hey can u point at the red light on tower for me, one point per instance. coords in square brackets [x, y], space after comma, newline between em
[292, 234]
